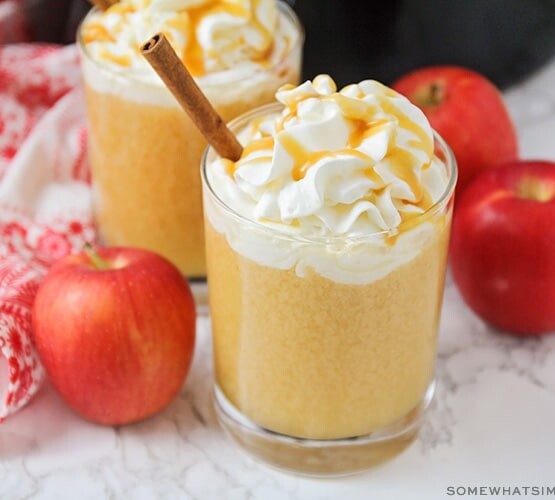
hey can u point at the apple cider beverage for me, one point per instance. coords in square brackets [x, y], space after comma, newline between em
[327, 240]
[144, 149]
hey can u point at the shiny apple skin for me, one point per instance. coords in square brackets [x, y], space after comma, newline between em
[503, 247]
[117, 344]
[469, 112]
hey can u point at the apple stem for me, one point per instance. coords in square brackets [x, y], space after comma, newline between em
[436, 92]
[98, 262]
[429, 95]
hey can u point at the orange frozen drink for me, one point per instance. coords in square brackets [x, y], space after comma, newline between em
[144, 150]
[327, 243]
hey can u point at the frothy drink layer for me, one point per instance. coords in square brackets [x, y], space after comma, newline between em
[345, 178]
[233, 43]
[145, 151]
[326, 247]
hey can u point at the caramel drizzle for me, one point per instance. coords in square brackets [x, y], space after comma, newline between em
[121, 60]
[96, 32]
[263, 144]
[303, 159]
[187, 22]
[362, 126]
[362, 130]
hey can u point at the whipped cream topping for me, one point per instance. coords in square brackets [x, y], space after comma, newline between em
[211, 36]
[352, 162]
[340, 176]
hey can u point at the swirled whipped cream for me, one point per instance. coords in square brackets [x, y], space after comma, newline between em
[210, 36]
[357, 164]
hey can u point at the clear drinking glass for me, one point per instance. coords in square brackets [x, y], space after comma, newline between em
[312, 375]
[145, 151]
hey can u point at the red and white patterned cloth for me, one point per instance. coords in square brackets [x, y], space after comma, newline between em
[45, 209]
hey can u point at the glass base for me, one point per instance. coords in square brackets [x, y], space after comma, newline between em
[199, 287]
[321, 458]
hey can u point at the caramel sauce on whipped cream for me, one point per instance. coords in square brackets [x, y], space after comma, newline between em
[208, 35]
[334, 183]
[380, 146]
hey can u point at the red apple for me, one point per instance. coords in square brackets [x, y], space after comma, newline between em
[115, 331]
[468, 111]
[503, 246]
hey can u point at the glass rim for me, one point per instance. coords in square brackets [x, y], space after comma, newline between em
[274, 108]
[284, 9]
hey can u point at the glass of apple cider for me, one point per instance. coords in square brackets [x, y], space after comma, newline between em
[327, 244]
[144, 150]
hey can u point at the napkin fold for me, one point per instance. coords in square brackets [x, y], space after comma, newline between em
[45, 196]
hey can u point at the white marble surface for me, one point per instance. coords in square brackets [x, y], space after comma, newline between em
[492, 422]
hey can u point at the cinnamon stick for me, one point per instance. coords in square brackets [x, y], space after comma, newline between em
[163, 59]
[101, 5]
